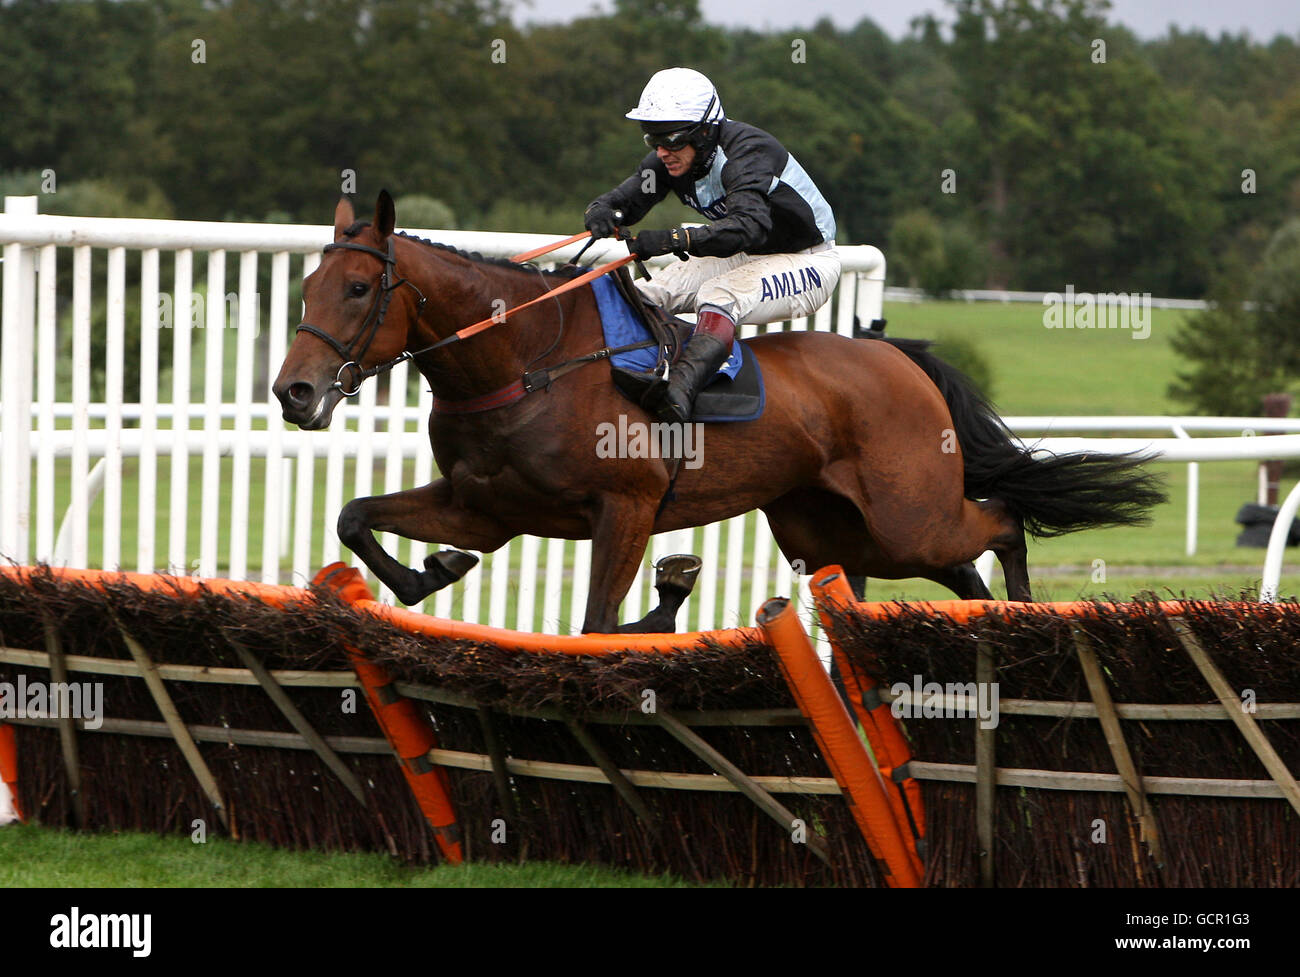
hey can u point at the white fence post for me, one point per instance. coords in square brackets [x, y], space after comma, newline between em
[46, 394]
[115, 355]
[1193, 493]
[147, 502]
[182, 339]
[1277, 547]
[17, 360]
[870, 304]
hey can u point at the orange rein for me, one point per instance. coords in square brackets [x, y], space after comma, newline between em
[568, 286]
[548, 248]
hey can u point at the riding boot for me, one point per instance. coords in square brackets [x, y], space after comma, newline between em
[705, 352]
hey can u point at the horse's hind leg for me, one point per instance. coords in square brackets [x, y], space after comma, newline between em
[1013, 555]
[989, 526]
[1008, 542]
[428, 514]
[963, 580]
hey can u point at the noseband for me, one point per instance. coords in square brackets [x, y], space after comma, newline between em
[351, 354]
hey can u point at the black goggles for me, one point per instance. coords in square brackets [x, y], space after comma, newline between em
[671, 141]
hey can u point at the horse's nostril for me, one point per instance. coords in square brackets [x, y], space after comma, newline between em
[300, 394]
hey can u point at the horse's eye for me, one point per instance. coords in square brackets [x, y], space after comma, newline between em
[359, 288]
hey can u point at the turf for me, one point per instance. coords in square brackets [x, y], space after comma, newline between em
[1037, 370]
[33, 856]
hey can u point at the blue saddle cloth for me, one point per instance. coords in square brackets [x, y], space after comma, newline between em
[740, 397]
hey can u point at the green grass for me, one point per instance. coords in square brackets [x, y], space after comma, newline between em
[34, 856]
[1037, 370]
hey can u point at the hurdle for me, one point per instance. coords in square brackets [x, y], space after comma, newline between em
[1135, 742]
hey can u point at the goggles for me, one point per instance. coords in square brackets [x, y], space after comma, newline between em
[672, 141]
[678, 138]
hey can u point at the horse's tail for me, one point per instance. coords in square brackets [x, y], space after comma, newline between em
[1052, 495]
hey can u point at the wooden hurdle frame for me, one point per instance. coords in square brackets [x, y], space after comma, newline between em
[865, 748]
[423, 763]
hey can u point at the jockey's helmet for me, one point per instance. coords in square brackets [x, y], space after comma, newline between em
[679, 106]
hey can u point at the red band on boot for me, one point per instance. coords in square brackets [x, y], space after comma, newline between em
[717, 325]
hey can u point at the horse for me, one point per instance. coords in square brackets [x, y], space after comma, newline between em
[872, 454]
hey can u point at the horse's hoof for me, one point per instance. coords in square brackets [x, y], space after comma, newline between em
[448, 566]
[440, 570]
[677, 572]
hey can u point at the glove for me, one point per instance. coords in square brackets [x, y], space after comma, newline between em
[601, 219]
[648, 244]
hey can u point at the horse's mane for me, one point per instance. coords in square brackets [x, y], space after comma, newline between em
[565, 272]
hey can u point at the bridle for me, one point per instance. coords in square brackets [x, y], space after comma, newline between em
[370, 328]
[351, 354]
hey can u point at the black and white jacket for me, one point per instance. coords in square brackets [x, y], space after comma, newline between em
[760, 200]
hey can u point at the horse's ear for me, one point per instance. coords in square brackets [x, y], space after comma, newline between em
[344, 217]
[385, 214]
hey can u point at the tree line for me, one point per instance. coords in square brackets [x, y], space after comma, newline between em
[1030, 144]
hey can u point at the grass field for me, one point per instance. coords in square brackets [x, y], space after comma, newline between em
[45, 857]
[1053, 371]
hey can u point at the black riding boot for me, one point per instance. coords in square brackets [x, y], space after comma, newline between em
[700, 360]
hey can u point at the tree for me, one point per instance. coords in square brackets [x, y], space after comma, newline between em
[675, 12]
[939, 257]
[1247, 343]
[421, 210]
[1084, 166]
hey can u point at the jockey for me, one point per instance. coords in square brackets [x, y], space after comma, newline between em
[769, 253]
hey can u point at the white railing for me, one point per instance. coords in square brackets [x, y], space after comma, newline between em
[62, 455]
[1181, 448]
[899, 294]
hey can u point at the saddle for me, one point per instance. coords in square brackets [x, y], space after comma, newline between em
[734, 395]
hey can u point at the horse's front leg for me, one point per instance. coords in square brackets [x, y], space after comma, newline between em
[429, 514]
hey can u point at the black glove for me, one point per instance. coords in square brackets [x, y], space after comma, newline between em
[648, 244]
[601, 219]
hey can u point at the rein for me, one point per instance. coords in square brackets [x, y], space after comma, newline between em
[555, 246]
[538, 379]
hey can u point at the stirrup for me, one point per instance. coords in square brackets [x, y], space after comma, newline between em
[647, 387]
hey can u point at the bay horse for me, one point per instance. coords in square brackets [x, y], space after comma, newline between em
[872, 454]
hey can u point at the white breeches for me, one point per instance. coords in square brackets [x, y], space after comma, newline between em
[751, 288]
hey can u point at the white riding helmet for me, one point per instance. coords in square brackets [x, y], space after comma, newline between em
[678, 95]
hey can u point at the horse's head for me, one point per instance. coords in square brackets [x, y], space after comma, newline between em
[355, 316]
